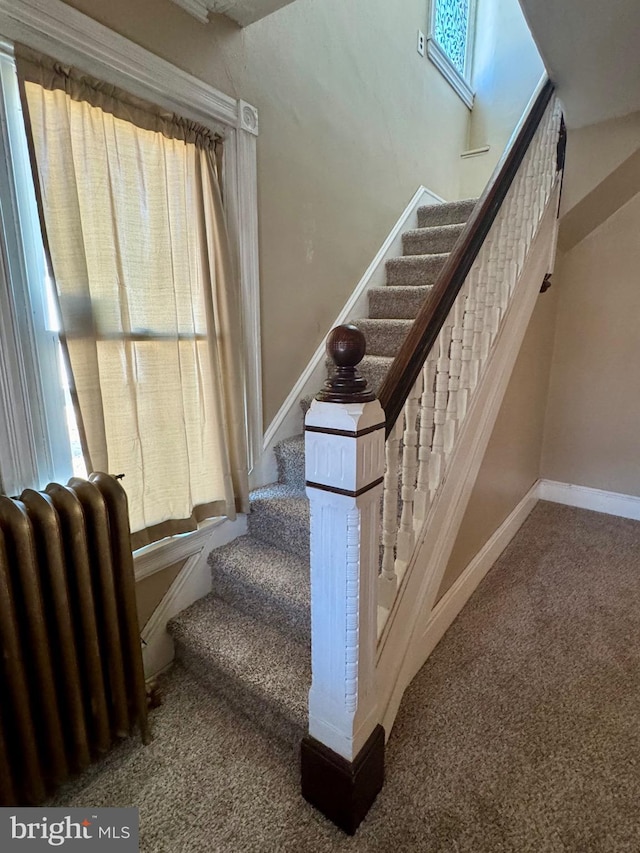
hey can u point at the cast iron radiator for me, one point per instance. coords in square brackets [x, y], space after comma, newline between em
[71, 675]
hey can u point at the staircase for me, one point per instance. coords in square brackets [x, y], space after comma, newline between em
[249, 640]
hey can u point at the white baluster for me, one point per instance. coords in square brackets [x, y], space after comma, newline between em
[406, 537]
[388, 583]
[455, 367]
[468, 324]
[425, 440]
[437, 462]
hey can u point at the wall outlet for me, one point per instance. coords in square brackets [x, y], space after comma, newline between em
[421, 43]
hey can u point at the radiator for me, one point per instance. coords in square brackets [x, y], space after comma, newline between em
[71, 676]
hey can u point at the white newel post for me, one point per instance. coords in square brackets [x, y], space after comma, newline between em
[344, 447]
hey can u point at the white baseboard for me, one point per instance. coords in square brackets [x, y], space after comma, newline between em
[192, 583]
[452, 602]
[583, 497]
[288, 420]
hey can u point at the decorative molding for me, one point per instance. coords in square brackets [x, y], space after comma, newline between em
[211, 534]
[452, 602]
[57, 29]
[197, 8]
[451, 74]
[584, 497]
[249, 266]
[54, 27]
[288, 420]
[248, 118]
[191, 584]
[475, 152]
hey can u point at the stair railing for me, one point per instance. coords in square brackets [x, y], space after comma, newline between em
[431, 383]
[375, 573]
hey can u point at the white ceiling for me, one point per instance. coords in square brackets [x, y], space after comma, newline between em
[591, 49]
[243, 12]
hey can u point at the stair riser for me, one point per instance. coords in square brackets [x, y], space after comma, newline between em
[434, 241]
[290, 617]
[385, 303]
[383, 339]
[444, 214]
[290, 467]
[416, 270]
[275, 528]
[236, 693]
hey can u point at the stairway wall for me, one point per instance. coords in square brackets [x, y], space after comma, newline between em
[511, 463]
[506, 70]
[591, 433]
[352, 121]
[594, 152]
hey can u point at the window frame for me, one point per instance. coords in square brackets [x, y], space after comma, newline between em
[57, 29]
[461, 83]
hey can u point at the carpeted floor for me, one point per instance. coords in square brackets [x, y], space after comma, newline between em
[521, 733]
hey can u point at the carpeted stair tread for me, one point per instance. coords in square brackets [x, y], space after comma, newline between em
[263, 673]
[384, 336]
[398, 303]
[449, 213]
[267, 583]
[434, 240]
[415, 269]
[280, 517]
[374, 368]
[290, 458]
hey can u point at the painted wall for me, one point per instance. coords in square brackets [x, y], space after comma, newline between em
[593, 152]
[151, 590]
[511, 464]
[506, 70]
[352, 121]
[592, 432]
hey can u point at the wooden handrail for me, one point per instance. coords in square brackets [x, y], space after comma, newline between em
[424, 332]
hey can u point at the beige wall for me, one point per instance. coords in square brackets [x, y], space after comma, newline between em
[352, 121]
[151, 591]
[592, 432]
[512, 462]
[506, 70]
[603, 201]
[593, 152]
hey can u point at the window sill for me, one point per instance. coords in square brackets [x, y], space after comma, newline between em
[451, 74]
[159, 555]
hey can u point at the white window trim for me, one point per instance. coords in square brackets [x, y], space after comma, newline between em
[70, 36]
[461, 84]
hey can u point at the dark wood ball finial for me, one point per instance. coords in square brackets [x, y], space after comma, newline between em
[346, 347]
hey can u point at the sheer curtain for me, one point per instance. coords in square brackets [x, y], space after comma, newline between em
[135, 228]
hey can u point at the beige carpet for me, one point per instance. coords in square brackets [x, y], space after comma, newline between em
[519, 734]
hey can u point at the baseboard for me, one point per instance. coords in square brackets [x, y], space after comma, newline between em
[160, 555]
[288, 420]
[192, 583]
[584, 497]
[453, 601]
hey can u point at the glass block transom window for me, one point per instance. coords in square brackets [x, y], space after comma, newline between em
[451, 29]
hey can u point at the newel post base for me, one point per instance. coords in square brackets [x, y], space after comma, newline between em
[343, 756]
[343, 790]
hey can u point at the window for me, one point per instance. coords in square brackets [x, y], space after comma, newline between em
[148, 312]
[37, 422]
[450, 44]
